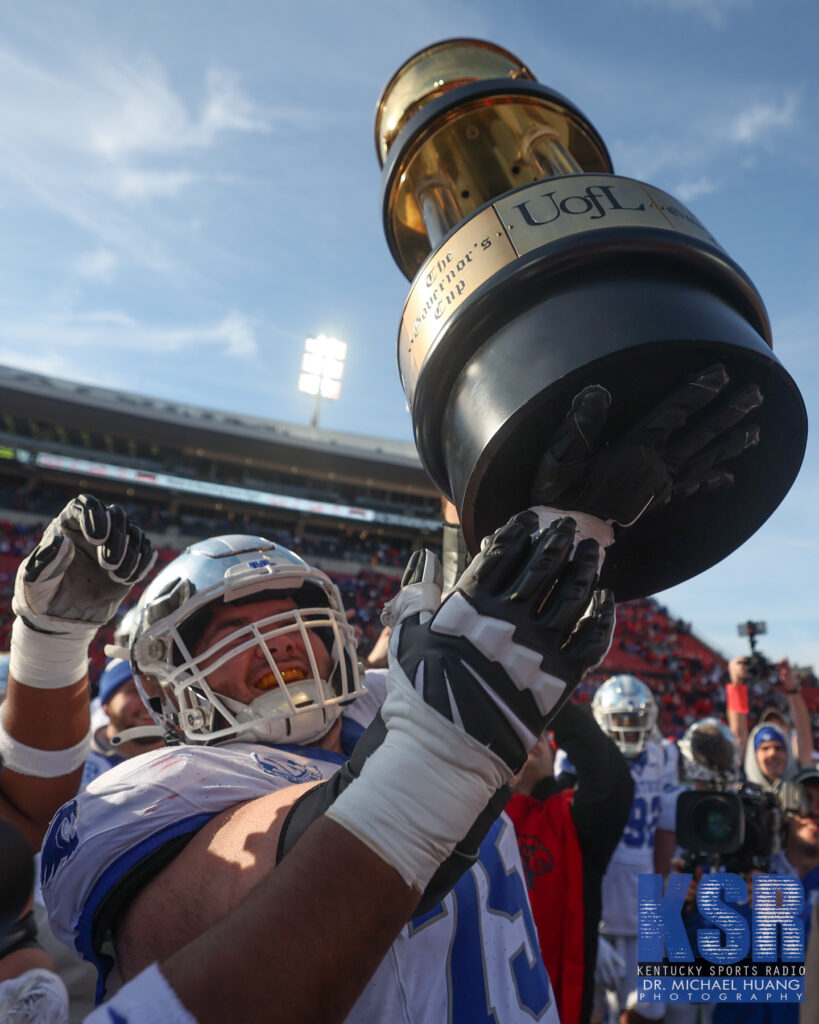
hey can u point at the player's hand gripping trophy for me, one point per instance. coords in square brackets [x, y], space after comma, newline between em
[573, 340]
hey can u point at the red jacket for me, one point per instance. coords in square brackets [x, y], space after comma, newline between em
[553, 866]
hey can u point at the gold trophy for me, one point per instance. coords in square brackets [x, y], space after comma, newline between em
[537, 271]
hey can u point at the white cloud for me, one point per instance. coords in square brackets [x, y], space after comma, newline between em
[756, 123]
[140, 185]
[228, 109]
[50, 363]
[91, 137]
[99, 265]
[137, 112]
[700, 144]
[237, 330]
[647, 159]
[687, 191]
[75, 335]
[99, 317]
[716, 12]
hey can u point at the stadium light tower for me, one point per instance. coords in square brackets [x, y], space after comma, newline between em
[322, 367]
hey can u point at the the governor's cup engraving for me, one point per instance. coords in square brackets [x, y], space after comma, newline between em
[537, 271]
[472, 255]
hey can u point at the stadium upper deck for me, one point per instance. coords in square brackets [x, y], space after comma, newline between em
[204, 461]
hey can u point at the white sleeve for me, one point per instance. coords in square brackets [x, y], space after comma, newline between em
[364, 708]
[671, 763]
[147, 998]
[668, 815]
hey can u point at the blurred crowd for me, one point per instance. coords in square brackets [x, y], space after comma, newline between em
[596, 804]
[683, 672]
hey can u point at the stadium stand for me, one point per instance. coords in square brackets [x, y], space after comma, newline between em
[355, 506]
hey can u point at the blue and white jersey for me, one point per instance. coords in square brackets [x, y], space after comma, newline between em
[671, 762]
[653, 807]
[651, 792]
[672, 786]
[474, 957]
[101, 757]
[138, 806]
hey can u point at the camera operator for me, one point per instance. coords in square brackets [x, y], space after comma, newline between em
[725, 825]
[698, 772]
[770, 755]
[800, 854]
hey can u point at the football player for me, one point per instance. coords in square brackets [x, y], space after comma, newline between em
[44, 726]
[624, 708]
[471, 684]
[246, 660]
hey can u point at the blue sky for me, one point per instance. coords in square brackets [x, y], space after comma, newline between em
[189, 189]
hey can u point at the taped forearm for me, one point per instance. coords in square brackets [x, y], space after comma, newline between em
[42, 764]
[464, 855]
[318, 800]
[418, 796]
[48, 661]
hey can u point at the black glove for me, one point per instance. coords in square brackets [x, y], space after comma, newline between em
[470, 685]
[672, 453]
[511, 642]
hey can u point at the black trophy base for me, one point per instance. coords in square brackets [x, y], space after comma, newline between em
[639, 333]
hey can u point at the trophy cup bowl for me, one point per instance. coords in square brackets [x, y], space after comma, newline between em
[537, 271]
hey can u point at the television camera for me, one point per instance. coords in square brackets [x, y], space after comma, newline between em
[728, 825]
[758, 668]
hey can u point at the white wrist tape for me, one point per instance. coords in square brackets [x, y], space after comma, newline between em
[36, 994]
[147, 998]
[42, 764]
[48, 661]
[588, 526]
[420, 792]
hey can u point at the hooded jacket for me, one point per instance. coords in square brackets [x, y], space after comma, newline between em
[753, 773]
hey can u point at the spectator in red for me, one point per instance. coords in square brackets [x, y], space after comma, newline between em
[566, 838]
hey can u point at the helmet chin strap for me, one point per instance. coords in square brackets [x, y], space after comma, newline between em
[139, 732]
[304, 727]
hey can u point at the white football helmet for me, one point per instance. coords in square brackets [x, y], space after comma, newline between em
[298, 706]
[122, 631]
[709, 752]
[625, 709]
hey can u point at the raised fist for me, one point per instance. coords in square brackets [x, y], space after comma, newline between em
[76, 578]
